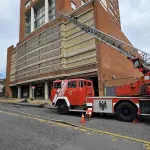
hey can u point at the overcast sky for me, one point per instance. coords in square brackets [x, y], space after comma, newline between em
[135, 22]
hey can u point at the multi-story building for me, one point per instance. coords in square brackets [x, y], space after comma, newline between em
[2, 84]
[51, 48]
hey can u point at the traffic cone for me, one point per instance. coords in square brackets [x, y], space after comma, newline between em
[135, 121]
[82, 119]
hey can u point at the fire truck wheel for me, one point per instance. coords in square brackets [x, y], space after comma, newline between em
[62, 108]
[126, 112]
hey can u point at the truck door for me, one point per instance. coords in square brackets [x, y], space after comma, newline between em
[90, 89]
[83, 92]
[72, 92]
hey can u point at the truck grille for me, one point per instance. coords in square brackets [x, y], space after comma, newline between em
[144, 106]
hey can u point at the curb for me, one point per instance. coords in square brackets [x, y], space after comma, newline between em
[29, 105]
[25, 104]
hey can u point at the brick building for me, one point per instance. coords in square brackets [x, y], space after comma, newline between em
[2, 87]
[51, 48]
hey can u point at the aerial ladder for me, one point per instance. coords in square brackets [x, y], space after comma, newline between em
[139, 58]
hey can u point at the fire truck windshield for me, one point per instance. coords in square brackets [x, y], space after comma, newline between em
[57, 85]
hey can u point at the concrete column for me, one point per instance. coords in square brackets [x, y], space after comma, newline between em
[19, 91]
[32, 19]
[46, 11]
[46, 93]
[30, 91]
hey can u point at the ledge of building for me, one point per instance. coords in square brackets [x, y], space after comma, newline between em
[54, 77]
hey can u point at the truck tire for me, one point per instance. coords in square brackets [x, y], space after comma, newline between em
[126, 111]
[62, 108]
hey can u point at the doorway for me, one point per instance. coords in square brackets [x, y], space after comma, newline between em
[95, 85]
[25, 91]
[14, 92]
[39, 91]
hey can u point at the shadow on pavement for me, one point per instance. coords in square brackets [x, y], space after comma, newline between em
[142, 119]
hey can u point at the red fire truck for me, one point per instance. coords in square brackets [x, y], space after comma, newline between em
[78, 95]
[130, 100]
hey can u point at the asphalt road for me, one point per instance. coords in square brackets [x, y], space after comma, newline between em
[108, 123]
[20, 129]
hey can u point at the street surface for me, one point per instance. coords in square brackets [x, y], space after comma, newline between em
[23, 128]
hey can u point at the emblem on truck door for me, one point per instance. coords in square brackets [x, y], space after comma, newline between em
[102, 105]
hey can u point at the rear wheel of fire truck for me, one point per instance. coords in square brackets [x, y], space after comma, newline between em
[126, 111]
[62, 108]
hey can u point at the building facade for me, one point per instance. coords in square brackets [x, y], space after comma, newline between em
[51, 48]
[2, 87]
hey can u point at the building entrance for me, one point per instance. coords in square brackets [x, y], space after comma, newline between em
[39, 91]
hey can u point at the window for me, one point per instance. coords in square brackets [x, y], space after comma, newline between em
[27, 4]
[57, 85]
[51, 12]
[83, 2]
[85, 83]
[81, 84]
[72, 84]
[89, 84]
[73, 6]
[28, 24]
[39, 17]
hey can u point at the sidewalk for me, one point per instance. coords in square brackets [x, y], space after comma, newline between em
[22, 102]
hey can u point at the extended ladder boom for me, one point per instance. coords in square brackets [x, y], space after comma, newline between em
[124, 48]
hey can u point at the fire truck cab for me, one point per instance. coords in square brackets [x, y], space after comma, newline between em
[71, 94]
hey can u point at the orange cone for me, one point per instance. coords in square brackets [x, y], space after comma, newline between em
[82, 119]
[135, 121]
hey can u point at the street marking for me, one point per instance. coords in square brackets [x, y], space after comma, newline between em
[62, 123]
[31, 114]
[147, 146]
[114, 139]
[118, 135]
[9, 113]
[89, 133]
[38, 119]
[84, 130]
